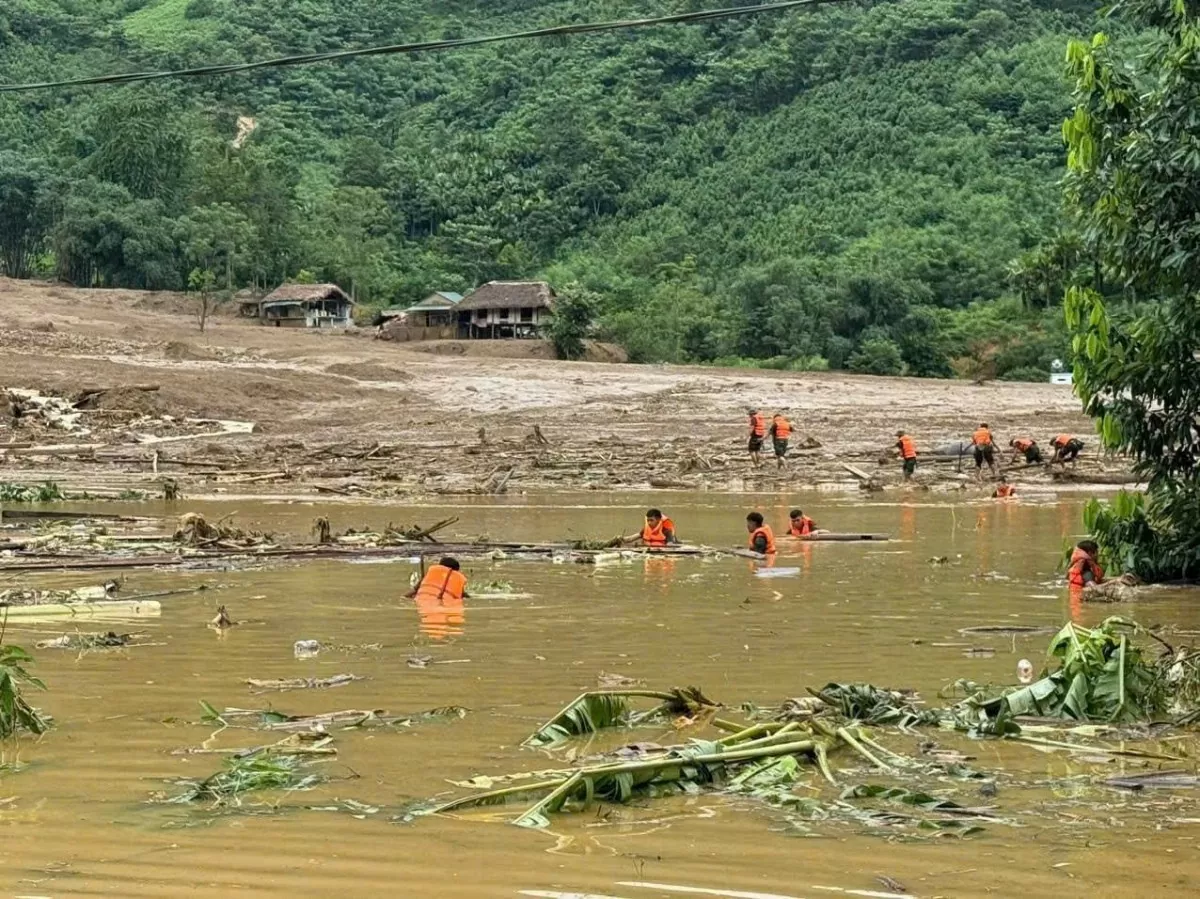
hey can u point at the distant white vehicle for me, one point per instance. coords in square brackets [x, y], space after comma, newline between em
[1057, 375]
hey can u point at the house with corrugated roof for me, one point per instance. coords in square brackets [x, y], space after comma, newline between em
[435, 311]
[505, 309]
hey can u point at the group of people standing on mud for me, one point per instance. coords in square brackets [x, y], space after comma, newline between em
[1066, 448]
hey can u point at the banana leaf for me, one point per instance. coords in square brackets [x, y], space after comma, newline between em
[595, 710]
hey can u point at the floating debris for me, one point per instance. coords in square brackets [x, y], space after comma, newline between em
[271, 719]
[26, 597]
[250, 774]
[195, 531]
[301, 683]
[101, 640]
[592, 711]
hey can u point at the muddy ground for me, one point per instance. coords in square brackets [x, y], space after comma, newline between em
[345, 414]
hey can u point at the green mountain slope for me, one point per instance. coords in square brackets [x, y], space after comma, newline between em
[831, 184]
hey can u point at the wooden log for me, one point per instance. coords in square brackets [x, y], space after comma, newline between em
[43, 515]
[119, 608]
[854, 470]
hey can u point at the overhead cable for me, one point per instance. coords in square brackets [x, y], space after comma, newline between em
[306, 59]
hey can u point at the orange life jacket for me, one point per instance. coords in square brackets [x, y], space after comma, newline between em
[441, 584]
[766, 532]
[1081, 562]
[758, 425]
[783, 428]
[801, 527]
[1021, 444]
[908, 449]
[1005, 490]
[652, 536]
[982, 437]
[1062, 440]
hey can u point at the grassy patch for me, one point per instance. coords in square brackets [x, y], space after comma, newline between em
[164, 25]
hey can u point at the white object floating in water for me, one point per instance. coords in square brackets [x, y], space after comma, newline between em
[1025, 671]
[306, 649]
[777, 572]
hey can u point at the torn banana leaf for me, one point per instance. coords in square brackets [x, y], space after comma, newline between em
[593, 711]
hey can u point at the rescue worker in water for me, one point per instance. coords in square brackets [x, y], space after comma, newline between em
[1085, 568]
[800, 525]
[1004, 489]
[658, 531]
[762, 538]
[442, 582]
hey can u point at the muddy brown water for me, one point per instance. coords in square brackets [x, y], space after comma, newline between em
[77, 820]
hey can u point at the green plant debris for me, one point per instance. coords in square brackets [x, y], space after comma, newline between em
[765, 762]
[46, 492]
[252, 774]
[596, 710]
[871, 705]
[271, 719]
[16, 714]
[1101, 676]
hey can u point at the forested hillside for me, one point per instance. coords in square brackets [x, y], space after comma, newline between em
[850, 185]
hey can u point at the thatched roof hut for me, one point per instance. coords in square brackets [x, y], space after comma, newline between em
[508, 295]
[307, 306]
[305, 293]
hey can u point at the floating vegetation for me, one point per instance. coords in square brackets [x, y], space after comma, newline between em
[195, 531]
[16, 714]
[1101, 676]
[253, 774]
[271, 719]
[300, 683]
[98, 640]
[46, 492]
[592, 711]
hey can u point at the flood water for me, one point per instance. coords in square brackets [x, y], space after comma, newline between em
[78, 820]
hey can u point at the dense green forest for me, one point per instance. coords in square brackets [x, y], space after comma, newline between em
[870, 185]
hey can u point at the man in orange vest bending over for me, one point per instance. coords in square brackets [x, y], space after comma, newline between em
[439, 598]
[1066, 449]
[758, 431]
[442, 582]
[908, 452]
[1027, 447]
[762, 539]
[1084, 568]
[781, 431]
[658, 531]
[985, 450]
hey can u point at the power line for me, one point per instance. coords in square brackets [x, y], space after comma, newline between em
[424, 47]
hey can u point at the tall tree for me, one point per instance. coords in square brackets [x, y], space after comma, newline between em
[1134, 184]
[24, 212]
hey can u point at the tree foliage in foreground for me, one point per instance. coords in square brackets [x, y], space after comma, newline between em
[1134, 183]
